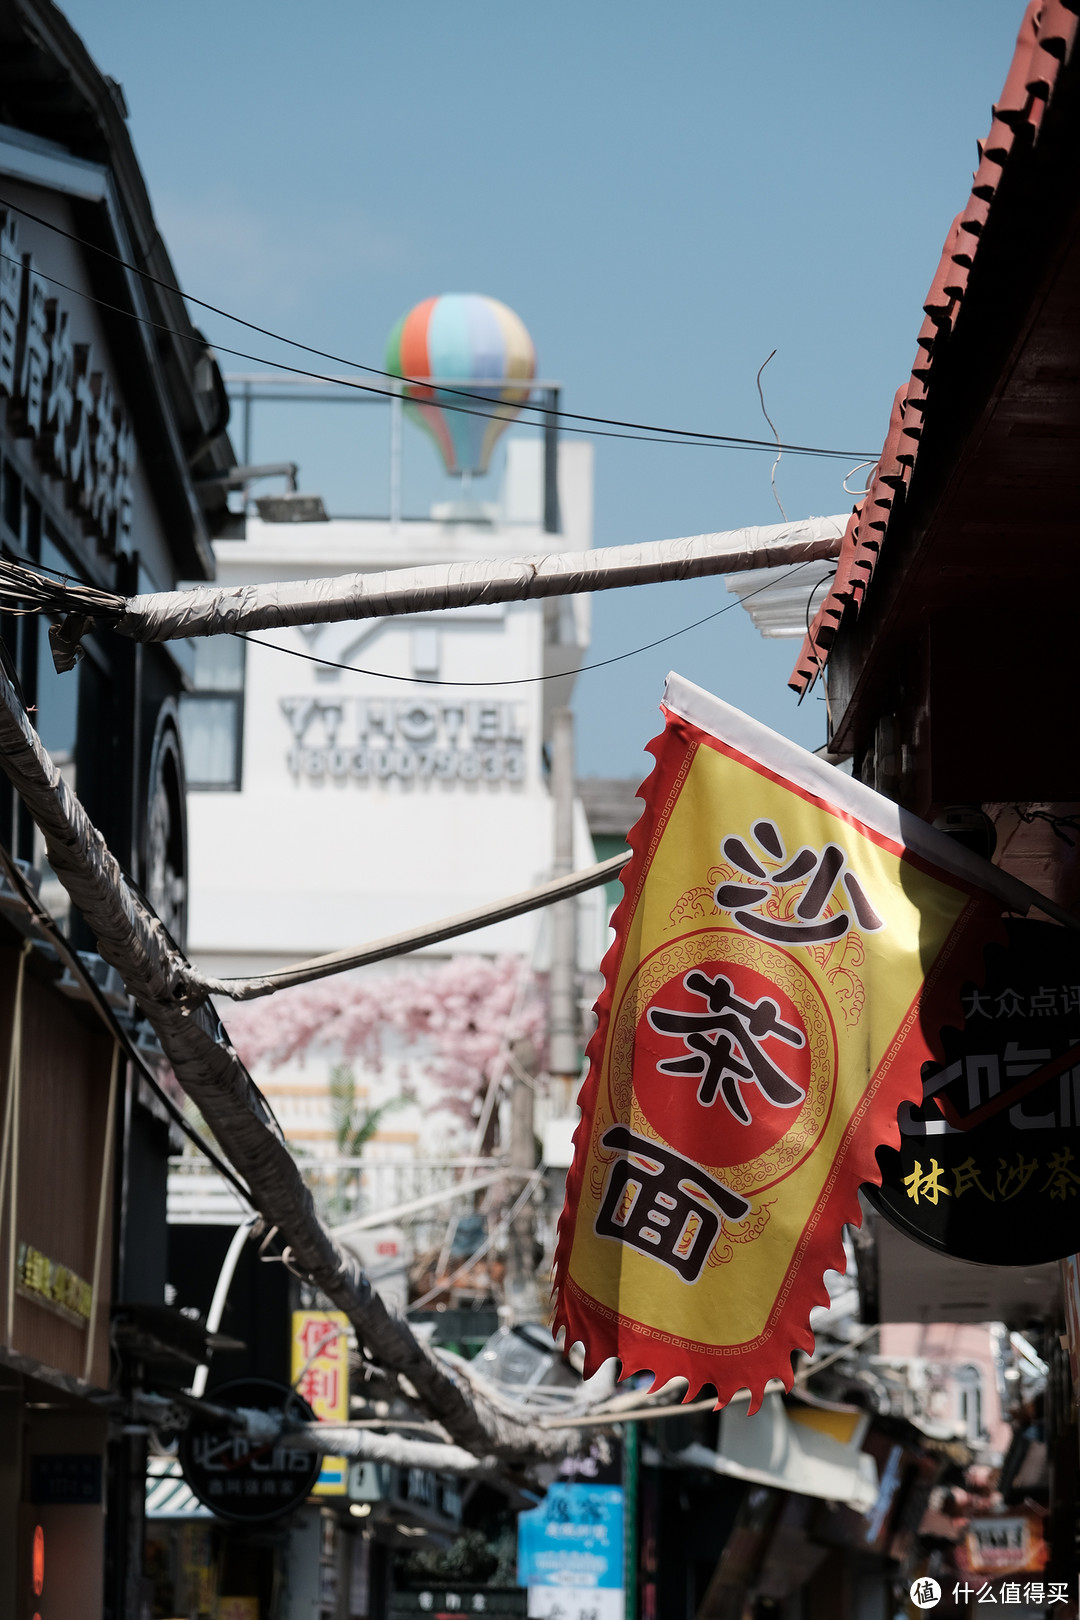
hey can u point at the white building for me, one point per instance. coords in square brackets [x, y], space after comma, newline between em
[330, 807]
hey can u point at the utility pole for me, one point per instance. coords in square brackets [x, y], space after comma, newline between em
[522, 1296]
[552, 516]
[563, 1045]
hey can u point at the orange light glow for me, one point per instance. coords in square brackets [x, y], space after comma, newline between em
[38, 1561]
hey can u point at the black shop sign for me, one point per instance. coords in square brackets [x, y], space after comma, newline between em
[248, 1481]
[988, 1167]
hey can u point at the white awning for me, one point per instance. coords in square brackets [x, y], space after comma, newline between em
[780, 602]
[810, 1450]
[167, 1494]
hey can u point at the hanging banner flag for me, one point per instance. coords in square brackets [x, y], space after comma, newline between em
[788, 948]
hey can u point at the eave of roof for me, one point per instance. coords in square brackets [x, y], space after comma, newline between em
[1044, 45]
[50, 86]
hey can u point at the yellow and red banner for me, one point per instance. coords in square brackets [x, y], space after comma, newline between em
[788, 947]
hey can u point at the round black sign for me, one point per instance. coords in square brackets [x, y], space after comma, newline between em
[988, 1167]
[249, 1481]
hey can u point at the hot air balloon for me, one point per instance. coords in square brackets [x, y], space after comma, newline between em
[481, 346]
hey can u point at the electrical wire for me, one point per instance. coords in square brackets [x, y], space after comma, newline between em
[772, 424]
[817, 653]
[47, 925]
[701, 442]
[737, 441]
[521, 680]
[22, 585]
[478, 1254]
[704, 442]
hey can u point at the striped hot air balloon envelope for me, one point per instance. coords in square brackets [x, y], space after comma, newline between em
[478, 344]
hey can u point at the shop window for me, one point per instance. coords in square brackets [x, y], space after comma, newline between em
[212, 716]
[11, 500]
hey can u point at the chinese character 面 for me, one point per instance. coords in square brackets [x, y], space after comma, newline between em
[725, 1045]
[926, 1185]
[662, 1204]
[820, 872]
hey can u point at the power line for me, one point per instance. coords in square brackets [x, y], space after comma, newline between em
[736, 441]
[389, 393]
[523, 680]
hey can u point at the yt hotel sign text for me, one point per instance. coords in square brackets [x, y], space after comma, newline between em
[411, 739]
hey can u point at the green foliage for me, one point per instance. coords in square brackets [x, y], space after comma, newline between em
[352, 1129]
[470, 1558]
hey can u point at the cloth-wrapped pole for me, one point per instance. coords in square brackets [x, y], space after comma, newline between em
[411, 939]
[212, 611]
[132, 939]
[363, 1445]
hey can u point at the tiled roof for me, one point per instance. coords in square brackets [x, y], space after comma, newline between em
[1045, 42]
[611, 803]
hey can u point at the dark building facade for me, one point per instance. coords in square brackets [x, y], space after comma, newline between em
[112, 433]
[946, 649]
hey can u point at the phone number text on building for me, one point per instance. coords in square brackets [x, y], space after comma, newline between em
[409, 739]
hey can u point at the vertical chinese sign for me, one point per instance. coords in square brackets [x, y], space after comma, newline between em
[788, 946]
[320, 1373]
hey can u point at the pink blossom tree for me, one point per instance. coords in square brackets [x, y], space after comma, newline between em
[466, 1016]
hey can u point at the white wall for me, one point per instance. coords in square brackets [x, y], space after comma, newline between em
[372, 805]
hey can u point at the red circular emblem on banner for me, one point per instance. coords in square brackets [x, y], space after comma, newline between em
[722, 1062]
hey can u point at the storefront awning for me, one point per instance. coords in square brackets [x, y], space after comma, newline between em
[810, 1450]
[167, 1495]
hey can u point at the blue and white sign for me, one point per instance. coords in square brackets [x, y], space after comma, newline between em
[573, 1539]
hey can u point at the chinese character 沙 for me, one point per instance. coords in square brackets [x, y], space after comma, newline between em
[820, 872]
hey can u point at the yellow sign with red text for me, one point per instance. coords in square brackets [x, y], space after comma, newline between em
[320, 1373]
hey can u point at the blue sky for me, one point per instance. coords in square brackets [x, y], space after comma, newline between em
[663, 193]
